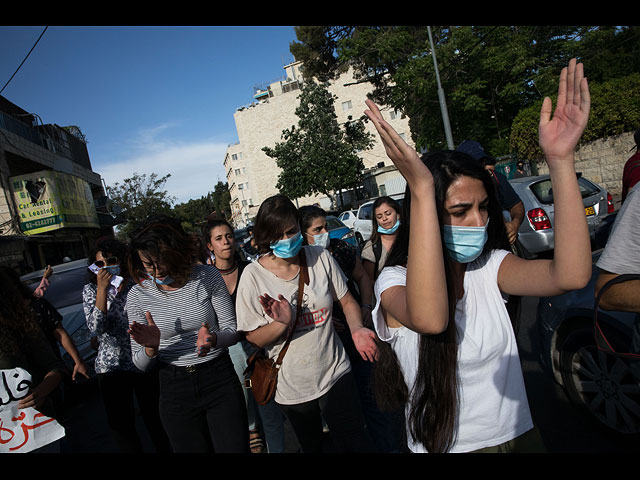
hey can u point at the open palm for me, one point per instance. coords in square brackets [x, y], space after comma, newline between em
[559, 135]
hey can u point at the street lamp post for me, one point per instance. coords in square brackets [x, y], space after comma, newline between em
[443, 103]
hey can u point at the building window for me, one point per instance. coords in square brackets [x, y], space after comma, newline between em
[237, 171]
[346, 106]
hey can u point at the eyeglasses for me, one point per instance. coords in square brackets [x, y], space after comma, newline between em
[110, 261]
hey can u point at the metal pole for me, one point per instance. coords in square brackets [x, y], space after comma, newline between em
[443, 103]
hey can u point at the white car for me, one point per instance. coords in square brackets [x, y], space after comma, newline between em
[363, 224]
[348, 217]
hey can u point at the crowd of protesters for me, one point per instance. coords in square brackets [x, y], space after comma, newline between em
[404, 347]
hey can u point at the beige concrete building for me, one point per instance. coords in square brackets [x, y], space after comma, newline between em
[252, 175]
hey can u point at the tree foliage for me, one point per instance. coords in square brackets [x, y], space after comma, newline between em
[318, 155]
[139, 197]
[488, 73]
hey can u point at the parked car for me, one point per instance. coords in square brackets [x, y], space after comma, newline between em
[65, 294]
[604, 386]
[363, 223]
[536, 233]
[348, 217]
[339, 230]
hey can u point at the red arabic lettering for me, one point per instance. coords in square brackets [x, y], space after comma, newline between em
[313, 318]
[26, 428]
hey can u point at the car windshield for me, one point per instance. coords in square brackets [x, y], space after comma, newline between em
[65, 288]
[333, 223]
[544, 193]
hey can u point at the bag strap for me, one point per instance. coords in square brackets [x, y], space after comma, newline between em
[303, 278]
[601, 340]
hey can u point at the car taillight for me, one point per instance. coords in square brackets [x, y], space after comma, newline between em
[538, 218]
[610, 207]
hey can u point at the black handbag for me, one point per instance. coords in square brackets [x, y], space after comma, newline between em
[261, 374]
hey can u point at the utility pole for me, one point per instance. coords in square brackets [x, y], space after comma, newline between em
[443, 103]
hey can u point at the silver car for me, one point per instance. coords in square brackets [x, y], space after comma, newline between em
[65, 294]
[536, 233]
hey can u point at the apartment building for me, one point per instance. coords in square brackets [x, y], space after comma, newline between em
[52, 204]
[252, 175]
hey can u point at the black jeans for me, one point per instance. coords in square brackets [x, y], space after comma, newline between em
[203, 408]
[117, 390]
[341, 409]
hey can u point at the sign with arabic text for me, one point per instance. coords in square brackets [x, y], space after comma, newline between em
[22, 429]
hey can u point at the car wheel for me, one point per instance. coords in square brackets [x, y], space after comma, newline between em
[602, 385]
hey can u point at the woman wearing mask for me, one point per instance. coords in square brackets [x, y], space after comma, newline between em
[119, 380]
[315, 377]
[441, 306]
[385, 223]
[386, 429]
[201, 401]
[220, 241]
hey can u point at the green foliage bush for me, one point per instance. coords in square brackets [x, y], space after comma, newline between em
[615, 109]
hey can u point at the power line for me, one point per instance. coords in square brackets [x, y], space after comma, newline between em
[25, 59]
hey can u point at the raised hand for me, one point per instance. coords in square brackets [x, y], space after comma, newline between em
[146, 335]
[404, 157]
[279, 310]
[559, 136]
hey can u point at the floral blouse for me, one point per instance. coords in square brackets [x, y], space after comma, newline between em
[111, 328]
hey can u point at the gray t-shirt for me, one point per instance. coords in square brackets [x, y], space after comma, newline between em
[316, 358]
[622, 252]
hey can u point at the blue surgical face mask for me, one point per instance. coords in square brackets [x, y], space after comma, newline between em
[465, 244]
[165, 281]
[389, 231]
[288, 247]
[112, 269]
[321, 240]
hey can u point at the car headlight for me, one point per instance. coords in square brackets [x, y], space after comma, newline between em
[349, 234]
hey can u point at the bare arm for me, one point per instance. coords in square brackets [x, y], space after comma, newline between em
[517, 216]
[570, 268]
[70, 347]
[280, 311]
[363, 338]
[426, 300]
[365, 285]
[622, 296]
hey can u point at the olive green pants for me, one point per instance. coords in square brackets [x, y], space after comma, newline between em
[528, 442]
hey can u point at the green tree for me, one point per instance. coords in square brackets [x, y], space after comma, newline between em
[194, 213]
[488, 73]
[137, 198]
[318, 155]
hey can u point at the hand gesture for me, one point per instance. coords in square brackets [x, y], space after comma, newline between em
[559, 136]
[80, 369]
[206, 340]
[279, 310]
[103, 279]
[405, 158]
[146, 335]
[48, 272]
[365, 342]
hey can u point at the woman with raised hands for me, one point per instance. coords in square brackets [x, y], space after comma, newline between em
[440, 295]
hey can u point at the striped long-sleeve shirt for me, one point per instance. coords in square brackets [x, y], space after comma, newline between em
[179, 315]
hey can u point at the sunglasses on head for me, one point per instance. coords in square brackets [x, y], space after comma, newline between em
[110, 261]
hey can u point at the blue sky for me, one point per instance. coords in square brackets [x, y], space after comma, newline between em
[148, 99]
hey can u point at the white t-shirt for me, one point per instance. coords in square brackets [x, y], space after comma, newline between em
[316, 358]
[493, 400]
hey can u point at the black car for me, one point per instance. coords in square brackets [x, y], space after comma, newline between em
[605, 386]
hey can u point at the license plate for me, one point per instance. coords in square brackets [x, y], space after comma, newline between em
[590, 211]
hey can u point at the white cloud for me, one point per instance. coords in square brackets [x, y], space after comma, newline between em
[195, 167]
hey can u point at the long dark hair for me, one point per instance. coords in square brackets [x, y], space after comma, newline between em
[274, 216]
[374, 222]
[433, 402]
[164, 239]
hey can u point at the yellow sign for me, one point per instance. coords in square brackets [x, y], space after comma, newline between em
[49, 200]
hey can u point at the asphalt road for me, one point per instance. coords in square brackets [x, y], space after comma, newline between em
[563, 428]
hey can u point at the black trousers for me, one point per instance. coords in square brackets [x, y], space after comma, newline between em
[203, 408]
[118, 390]
[341, 409]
